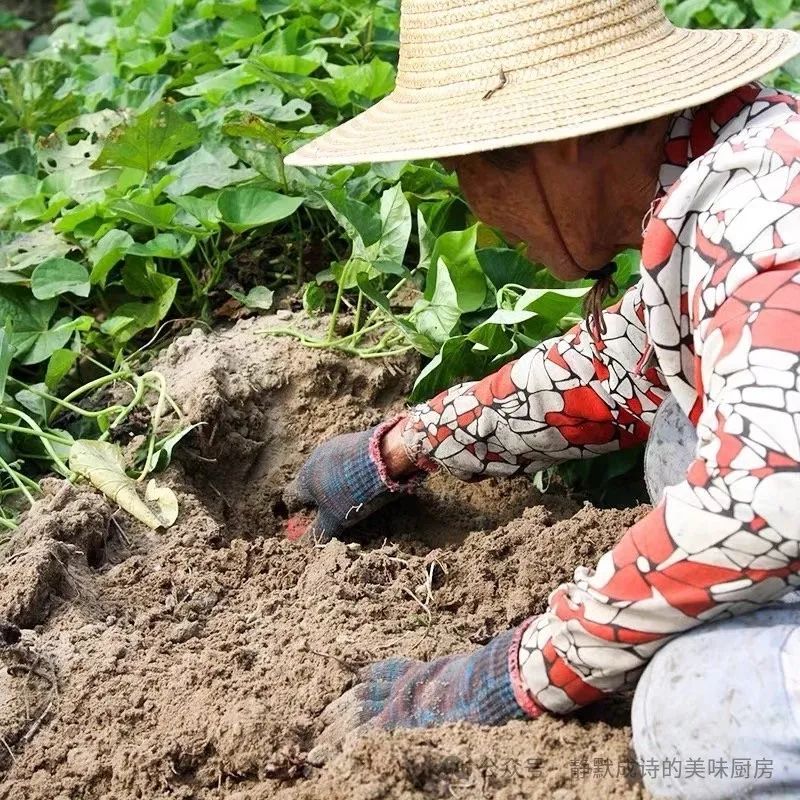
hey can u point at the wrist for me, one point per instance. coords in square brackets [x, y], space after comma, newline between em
[396, 470]
[393, 451]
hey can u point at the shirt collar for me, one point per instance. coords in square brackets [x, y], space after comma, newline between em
[694, 131]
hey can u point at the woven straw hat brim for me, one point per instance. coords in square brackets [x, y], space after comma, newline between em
[685, 69]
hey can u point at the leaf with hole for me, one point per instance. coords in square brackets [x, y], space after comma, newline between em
[154, 136]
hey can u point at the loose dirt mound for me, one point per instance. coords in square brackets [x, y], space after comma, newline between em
[194, 663]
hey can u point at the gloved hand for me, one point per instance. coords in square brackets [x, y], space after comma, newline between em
[345, 479]
[403, 693]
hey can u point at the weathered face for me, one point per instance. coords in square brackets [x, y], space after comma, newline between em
[575, 203]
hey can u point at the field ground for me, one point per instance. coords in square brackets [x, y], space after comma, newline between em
[194, 663]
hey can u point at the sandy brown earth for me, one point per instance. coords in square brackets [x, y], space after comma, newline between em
[194, 663]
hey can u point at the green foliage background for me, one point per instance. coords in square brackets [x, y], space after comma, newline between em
[142, 181]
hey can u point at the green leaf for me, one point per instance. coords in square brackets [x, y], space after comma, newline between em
[151, 215]
[209, 169]
[313, 298]
[203, 209]
[162, 454]
[131, 318]
[108, 251]
[370, 81]
[57, 276]
[361, 223]
[33, 402]
[502, 266]
[164, 245]
[494, 340]
[772, 9]
[115, 325]
[438, 316]
[30, 249]
[728, 13]
[215, 86]
[58, 367]
[16, 188]
[395, 225]
[141, 279]
[259, 298]
[291, 64]
[155, 136]
[11, 22]
[6, 354]
[552, 304]
[31, 96]
[102, 464]
[240, 31]
[246, 207]
[35, 342]
[76, 216]
[455, 362]
[151, 19]
[456, 250]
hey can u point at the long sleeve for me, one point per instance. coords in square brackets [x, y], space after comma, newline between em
[570, 397]
[726, 539]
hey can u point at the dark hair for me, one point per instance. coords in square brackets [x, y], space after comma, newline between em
[510, 158]
[507, 158]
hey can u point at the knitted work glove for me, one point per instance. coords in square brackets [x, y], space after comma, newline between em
[345, 479]
[403, 693]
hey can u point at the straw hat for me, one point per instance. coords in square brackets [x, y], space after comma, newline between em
[484, 74]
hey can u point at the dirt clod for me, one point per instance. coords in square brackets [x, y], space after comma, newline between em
[194, 663]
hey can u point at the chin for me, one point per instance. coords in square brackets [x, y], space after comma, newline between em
[566, 273]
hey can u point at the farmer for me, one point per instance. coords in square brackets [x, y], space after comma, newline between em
[582, 128]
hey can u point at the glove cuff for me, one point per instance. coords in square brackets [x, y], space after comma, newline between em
[409, 484]
[497, 698]
[521, 695]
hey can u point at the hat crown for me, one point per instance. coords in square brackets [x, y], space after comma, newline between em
[447, 42]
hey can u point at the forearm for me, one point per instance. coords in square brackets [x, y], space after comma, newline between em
[568, 398]
[722, 542]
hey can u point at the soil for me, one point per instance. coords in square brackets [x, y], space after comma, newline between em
[194, 662]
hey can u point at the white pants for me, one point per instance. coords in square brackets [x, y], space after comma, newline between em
[716, 714]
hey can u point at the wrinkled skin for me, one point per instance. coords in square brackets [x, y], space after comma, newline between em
[575, 203]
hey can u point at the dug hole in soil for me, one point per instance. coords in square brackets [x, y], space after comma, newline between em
[194, 662]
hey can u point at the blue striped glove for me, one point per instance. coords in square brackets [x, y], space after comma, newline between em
[345, 479]
[403, 693]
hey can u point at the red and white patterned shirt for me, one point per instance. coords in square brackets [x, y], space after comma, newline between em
[715, 320]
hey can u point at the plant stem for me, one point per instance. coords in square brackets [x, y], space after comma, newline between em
[388, 353]
[52, 437]
[320, 343]
[58, 463]
[335, 313]
[16, 477]
[359, 307]
[155, 421]
[197, 288]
